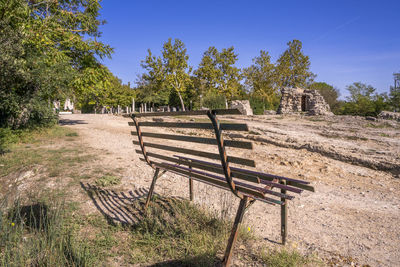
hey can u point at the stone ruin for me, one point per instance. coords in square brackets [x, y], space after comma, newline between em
[243, 106]
[296, 100]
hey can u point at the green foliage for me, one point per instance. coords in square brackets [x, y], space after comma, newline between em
[329, 93]
[293, 67]
[217, 73]
[363, 101]
[47, 47]
[108, 180]
[177, 71]
[258, 104]
[214, 101]
[170, 72]
[260, 78]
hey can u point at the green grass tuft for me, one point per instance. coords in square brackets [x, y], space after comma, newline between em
[108, 180]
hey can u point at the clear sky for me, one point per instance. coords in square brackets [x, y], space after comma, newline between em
[347, 41]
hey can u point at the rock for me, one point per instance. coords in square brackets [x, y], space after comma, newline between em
[295, 100]
[269, 112]
[243, 106]
[387, 115]
[369, 118]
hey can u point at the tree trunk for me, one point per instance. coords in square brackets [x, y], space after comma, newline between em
[182, 104]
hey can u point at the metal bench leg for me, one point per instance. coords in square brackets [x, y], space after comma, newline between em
[191, 188]
[190, 185]
[153, 183]
[233, 237]
[284, 215]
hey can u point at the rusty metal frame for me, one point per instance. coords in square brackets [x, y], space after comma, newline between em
[224, 157]
[245, 200]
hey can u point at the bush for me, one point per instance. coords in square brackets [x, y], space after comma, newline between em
[214, 101]
[7, 137]
[259, 105]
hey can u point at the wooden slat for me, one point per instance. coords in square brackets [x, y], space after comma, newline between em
[236, 160]
[195, 139]
[215, 180]
[302, 186]
[189, 113]
[215, 185]
[264, 176]
[207, 167]
[195, 125]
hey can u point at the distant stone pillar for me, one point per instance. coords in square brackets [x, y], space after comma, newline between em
[145, 107]
[133, 105]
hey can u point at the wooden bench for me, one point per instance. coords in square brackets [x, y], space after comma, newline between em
[245, 183]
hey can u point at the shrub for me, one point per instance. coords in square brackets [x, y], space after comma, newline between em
[214, 101]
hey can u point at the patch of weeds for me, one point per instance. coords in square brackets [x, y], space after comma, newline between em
[285, 258]
[108, 180]
[175, 229]
[72, 134]
[39, 235]
[384, 135]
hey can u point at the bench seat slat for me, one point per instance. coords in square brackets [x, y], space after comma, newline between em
[214, 180]
[211, 168]
[269, 177]
[195, 139]
[239, 185]
[216, 168]
[237, 160]
[195, 125]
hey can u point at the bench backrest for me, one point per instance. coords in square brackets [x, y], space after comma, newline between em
[210, 163]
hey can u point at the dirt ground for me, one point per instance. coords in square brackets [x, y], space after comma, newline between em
[354, 164]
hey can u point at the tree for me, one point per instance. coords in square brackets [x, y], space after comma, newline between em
[329, 93]
[176, 68]
[151, 85]
[363, 100]
[217, 72]
[293, 67]
[45, 47]
[260, 79]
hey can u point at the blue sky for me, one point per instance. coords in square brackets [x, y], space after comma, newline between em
[347, 41]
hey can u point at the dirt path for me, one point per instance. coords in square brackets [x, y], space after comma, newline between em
[352, 217]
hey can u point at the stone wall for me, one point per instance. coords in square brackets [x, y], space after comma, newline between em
[296, 100]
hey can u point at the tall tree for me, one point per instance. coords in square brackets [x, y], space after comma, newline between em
[46, 46]
[151, 85]
[293, 67]
[176, 68]
[260, 78]
[207, 74]
[217, 72]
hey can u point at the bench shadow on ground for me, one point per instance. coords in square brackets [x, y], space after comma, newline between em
[126, 209]
[71, 122]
